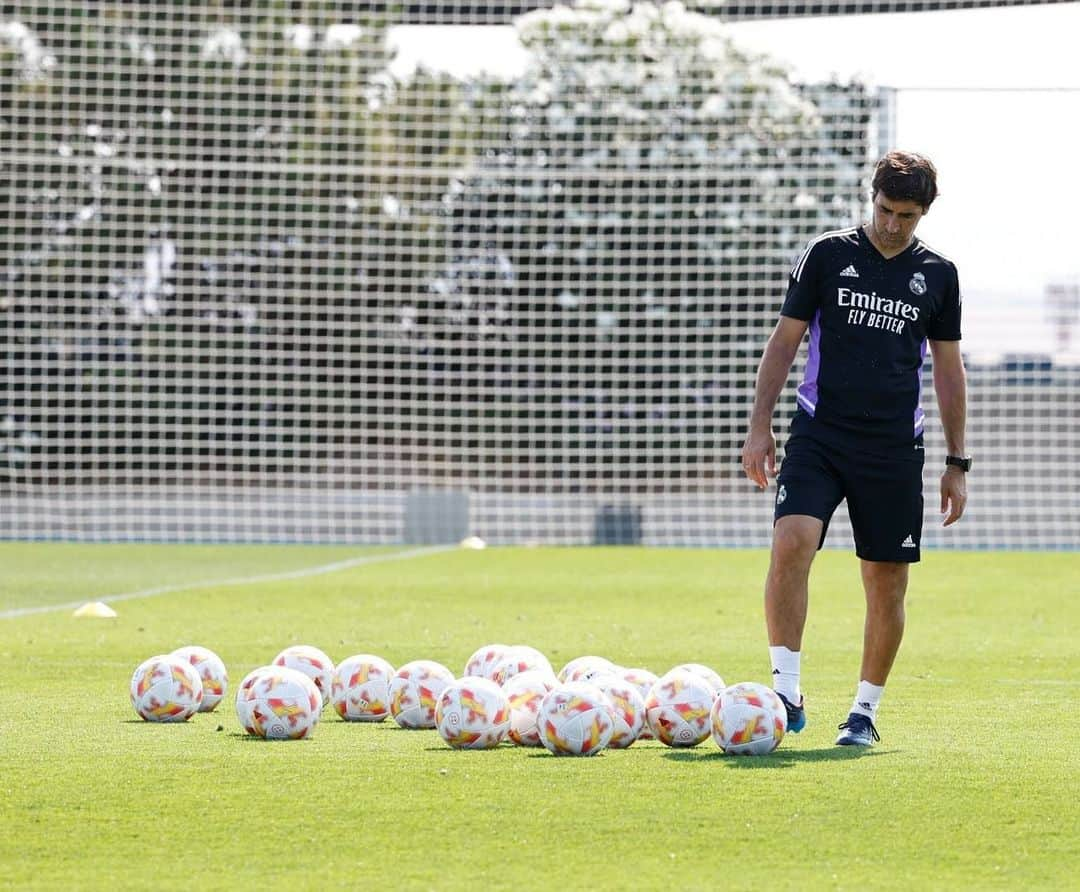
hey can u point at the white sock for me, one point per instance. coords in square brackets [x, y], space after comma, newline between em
[867, 699]
[785, 672]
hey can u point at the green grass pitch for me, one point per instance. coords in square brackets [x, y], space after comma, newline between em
[974, 784]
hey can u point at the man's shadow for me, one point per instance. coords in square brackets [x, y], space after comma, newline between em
[782, 758]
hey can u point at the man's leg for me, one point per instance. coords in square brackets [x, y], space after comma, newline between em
[795, 542]
[885, 583]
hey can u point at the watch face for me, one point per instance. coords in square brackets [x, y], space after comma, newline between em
[963, 463]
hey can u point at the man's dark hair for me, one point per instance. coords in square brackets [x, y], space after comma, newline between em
[906, 176]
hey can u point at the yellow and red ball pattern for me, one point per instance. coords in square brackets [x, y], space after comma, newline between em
[414, 692]
[484, 660]
[678, 708]
[284, 704]
[243, 703]
[627, 709]
[311, 661]
[472, 713]
[211, 669]
[165, 688]
[748, 719]
[360, 690]
[575, 719]
[524, 693]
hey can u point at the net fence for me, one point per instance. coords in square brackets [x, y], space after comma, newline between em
[318, 271]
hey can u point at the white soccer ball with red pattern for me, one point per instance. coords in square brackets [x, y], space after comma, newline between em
[524, 693]
[748, 719]
[284, 704]
[212, 672]
[484, 660]
[586, 668]
[628, 710]
[642, 680]
[520, 658]
[414, 693]
[706, 672]
[243, 703]
[360, 690]
[166, 688]
[313, 663]
[472, 714]
[575, 719]
[678, 708]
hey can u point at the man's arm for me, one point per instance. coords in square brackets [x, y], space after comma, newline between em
[950, 384]
[759, 450]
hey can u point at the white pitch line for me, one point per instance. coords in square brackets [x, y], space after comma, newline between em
[237, 580]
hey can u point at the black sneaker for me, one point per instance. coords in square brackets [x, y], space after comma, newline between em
[796, 715]
[858, 730]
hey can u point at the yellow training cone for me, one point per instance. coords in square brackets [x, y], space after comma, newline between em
[96, 609]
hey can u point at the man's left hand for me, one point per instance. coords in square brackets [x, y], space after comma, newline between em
[953, 495]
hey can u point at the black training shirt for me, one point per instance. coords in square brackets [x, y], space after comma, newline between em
[870, 319]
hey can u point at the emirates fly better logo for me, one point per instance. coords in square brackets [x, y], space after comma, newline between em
[873, 311]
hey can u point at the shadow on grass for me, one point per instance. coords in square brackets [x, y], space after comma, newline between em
[446, 748]
[782, 758]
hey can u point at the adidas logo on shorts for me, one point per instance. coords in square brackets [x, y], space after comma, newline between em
[850, 272]
[908, 542]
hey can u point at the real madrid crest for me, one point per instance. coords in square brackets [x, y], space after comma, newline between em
[917, 284]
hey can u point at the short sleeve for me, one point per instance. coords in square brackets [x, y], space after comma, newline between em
[945, 325]
[803, 295]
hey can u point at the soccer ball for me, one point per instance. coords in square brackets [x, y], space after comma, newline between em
[215, 679]
[361, 688]
[472, 714]
[585, 668]
[414, 692]
[483, 662]
[284, 704]
[166, 688]
[748, 719]
[524, 693]
[677, 708]
[243, 704]
[518, 659]
[643, 680]
[628, 710]
[575, 719]
[313, 663]
[710, 675]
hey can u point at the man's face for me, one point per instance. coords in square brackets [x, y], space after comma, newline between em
[895, 221]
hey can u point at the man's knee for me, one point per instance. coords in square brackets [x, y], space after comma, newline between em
[885, 580]
[796, 538]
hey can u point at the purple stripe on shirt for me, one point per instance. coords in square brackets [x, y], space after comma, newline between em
[920, 415]
[808, 391]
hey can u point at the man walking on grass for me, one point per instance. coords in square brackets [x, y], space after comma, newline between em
[872, 297]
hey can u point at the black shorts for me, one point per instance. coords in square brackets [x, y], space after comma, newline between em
[884, 495]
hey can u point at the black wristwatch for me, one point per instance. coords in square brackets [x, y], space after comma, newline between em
[956, 461]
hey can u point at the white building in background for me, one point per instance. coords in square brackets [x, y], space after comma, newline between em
[1063, 314]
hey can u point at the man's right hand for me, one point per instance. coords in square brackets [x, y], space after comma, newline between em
[759, 456]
